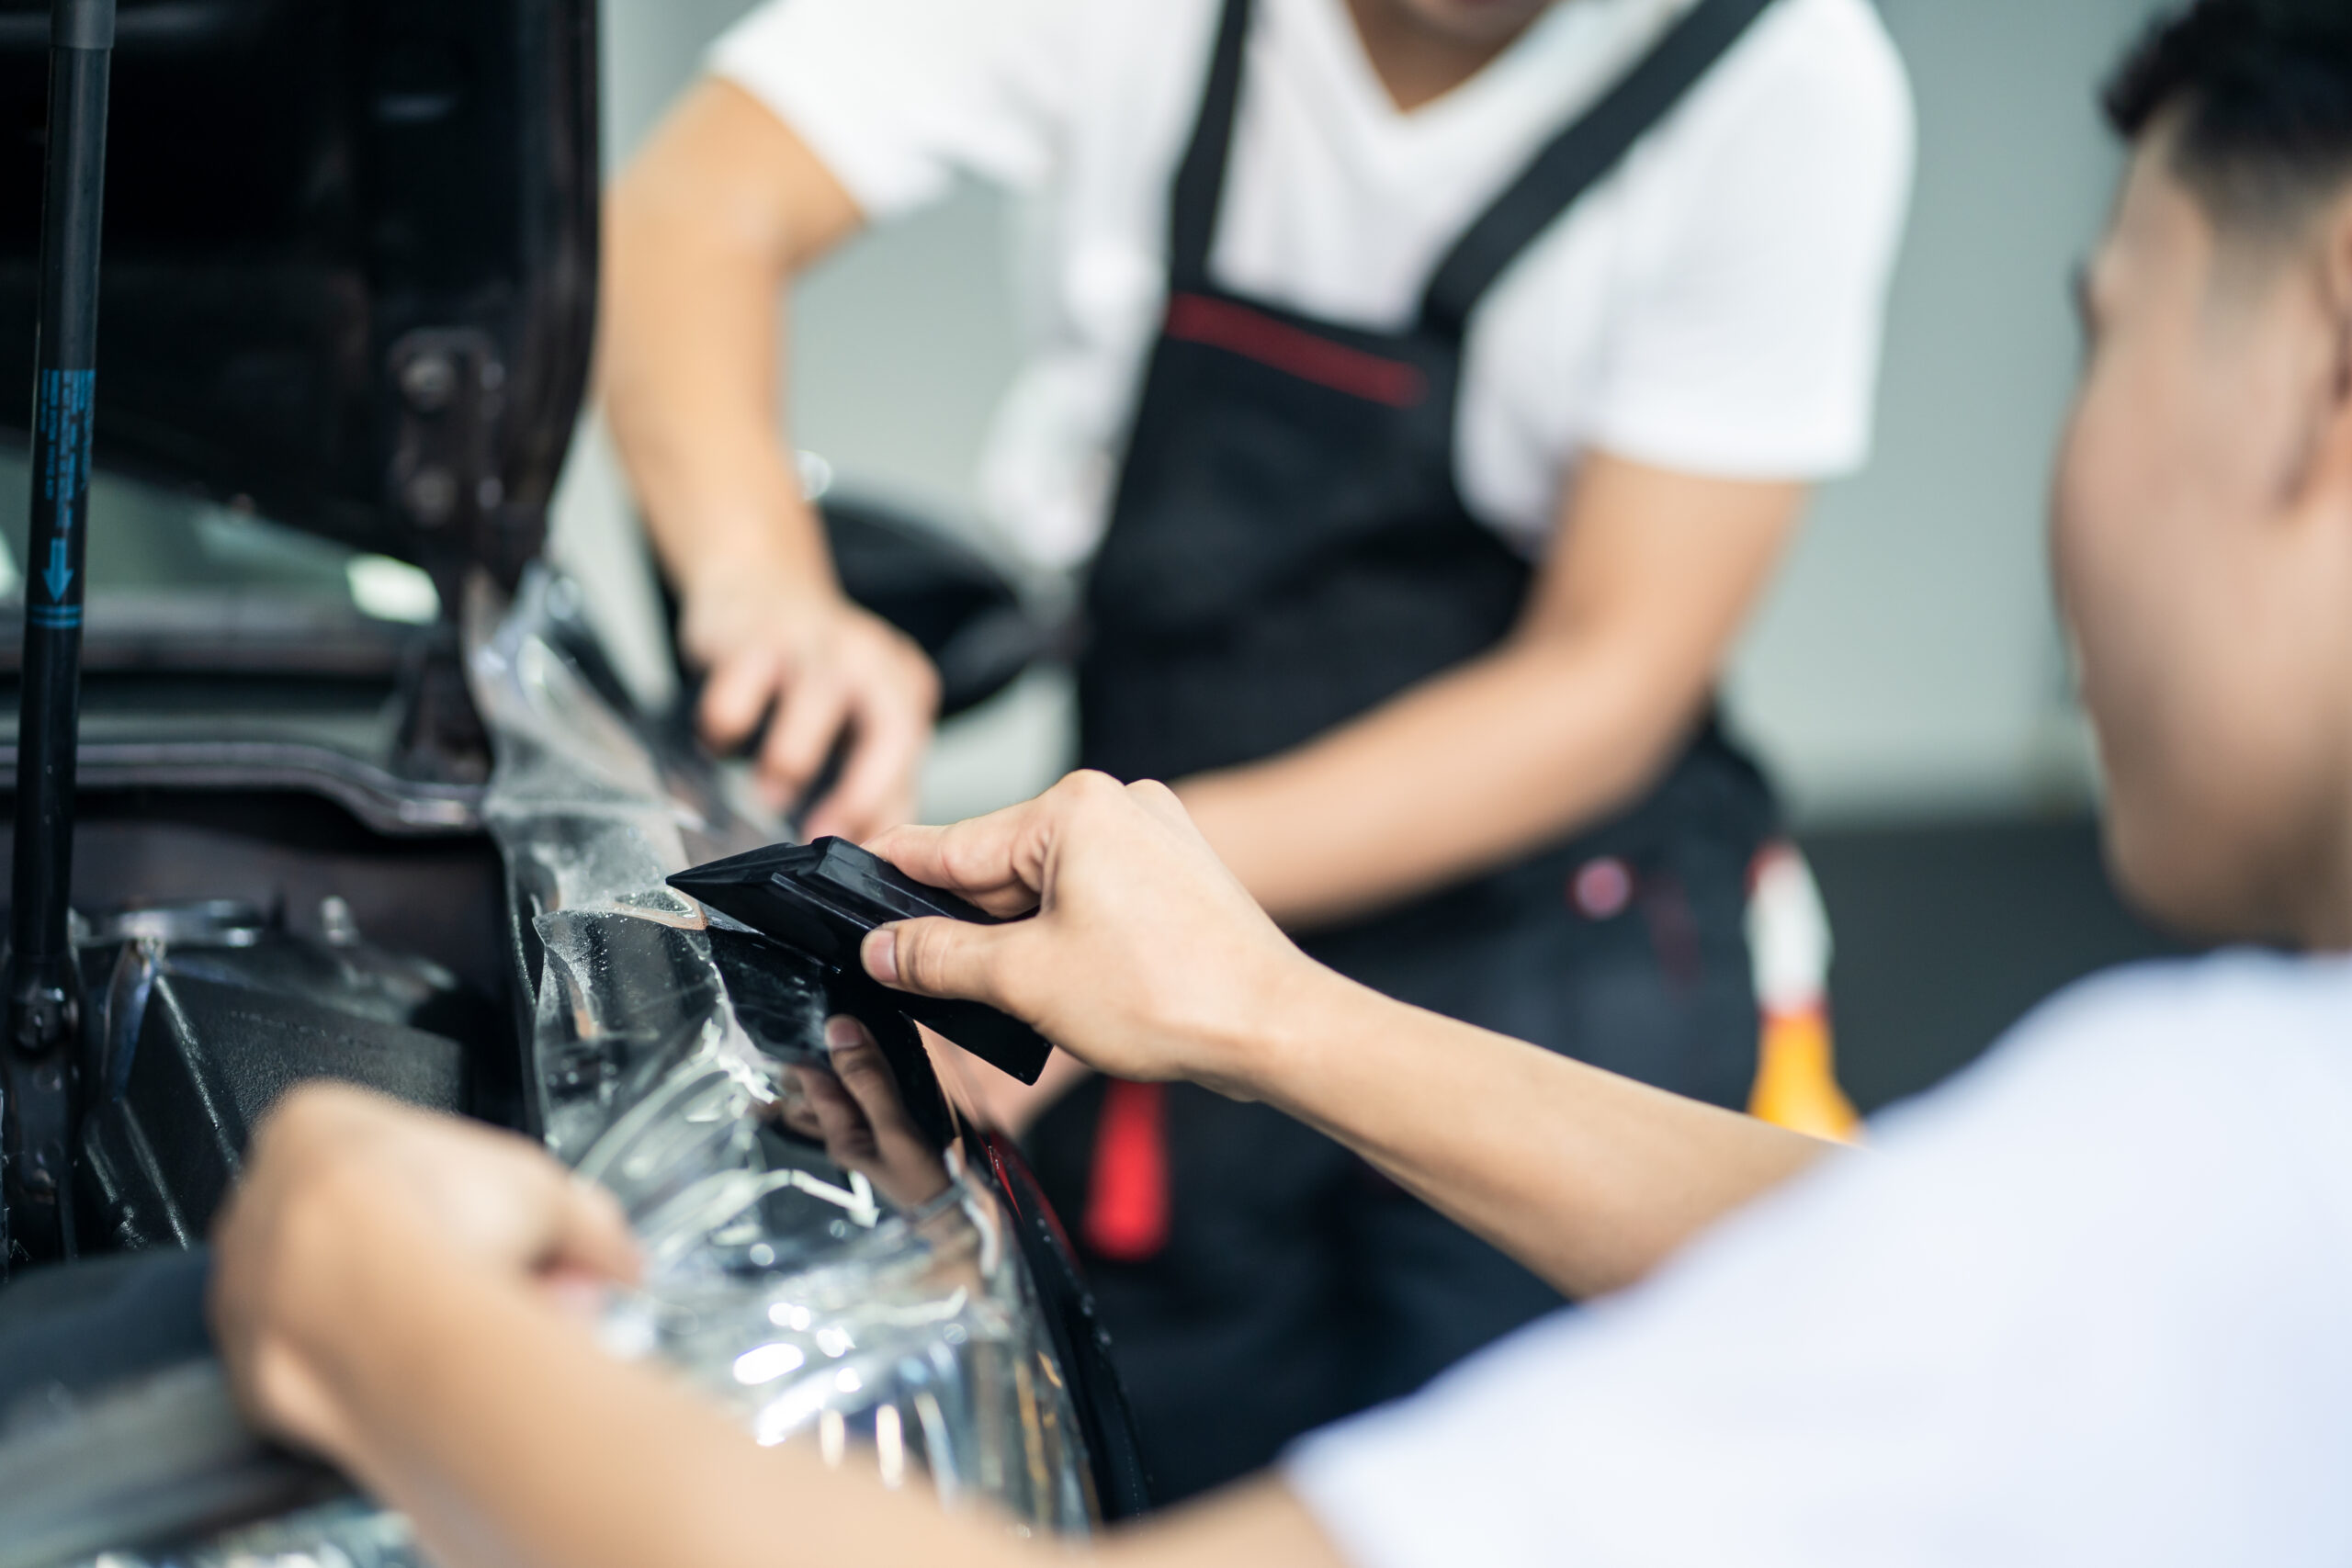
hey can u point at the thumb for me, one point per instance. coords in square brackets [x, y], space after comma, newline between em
[591, 1233]
[939, 958]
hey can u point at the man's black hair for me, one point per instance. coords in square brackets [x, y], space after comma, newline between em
[2261, 93]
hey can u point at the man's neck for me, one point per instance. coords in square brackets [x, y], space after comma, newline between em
[1417, 61]
[2324, 922]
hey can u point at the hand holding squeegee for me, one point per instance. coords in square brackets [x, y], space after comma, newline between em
[822, 898]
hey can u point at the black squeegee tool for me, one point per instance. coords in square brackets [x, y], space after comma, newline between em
[822, 898]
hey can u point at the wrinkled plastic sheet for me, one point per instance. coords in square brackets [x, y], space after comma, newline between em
[887, 1323]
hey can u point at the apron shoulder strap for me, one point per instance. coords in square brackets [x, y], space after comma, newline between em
[1200, 180]
[1579, 157]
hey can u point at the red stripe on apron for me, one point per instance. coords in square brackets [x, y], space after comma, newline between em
[1238, 330]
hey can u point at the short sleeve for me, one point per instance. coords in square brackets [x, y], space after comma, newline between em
[900, 96]
[1752, 286]
[2083, 1305]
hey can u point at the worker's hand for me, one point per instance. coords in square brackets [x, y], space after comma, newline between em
[341, 1182]
[1146, 959]
[816, 667]
[853, 1108]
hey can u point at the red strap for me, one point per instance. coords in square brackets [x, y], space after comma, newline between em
[1127, 1202]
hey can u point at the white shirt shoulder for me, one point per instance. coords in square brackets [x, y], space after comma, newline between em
[1714, 306]
[1756, 238]
[898, 98]
[2087, 1304]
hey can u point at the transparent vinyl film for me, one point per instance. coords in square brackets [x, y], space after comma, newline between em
[877, 1309]
[817, 1258]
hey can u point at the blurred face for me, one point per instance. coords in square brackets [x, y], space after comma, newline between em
[2202, 539]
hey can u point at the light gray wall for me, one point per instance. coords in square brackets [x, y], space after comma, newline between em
[1908, 662]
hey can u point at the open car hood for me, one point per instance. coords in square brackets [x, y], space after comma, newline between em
[349, 268]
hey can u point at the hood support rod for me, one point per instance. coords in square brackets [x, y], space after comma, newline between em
[42, 1047]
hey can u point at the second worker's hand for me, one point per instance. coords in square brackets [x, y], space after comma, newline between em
[816, 668]
[343, 1189]
[1144, 957]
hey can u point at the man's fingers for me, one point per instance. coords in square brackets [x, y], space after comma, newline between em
[867, 1077]
[876, 782]
[998, 861]
[552, 1221]
[1159, 801]
[797, 1112]
[940, 958]
[591, 1235]
[741, 689]
[842, 1125]
[976, 858]
[915, 850]
[808, 719]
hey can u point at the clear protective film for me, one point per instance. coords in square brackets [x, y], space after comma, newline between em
[817, 1257]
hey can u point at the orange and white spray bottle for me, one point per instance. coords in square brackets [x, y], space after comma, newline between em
[1789, 940]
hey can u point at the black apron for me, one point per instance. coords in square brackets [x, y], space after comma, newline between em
[1288, 550]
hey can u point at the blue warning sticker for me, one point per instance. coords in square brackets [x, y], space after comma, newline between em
[64, 421]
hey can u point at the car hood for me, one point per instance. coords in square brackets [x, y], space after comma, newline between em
[349, 271]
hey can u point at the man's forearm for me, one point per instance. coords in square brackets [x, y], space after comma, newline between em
[1624, 631]
[707, 227]
[1588, 1178]
[691, 340]
[492, 1418]
[390, 1290]
[513, 1441]
[1145, 958]
[1454, 777]
[704, 232]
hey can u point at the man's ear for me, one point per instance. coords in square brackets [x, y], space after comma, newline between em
[2336, 255]
[2329, 460]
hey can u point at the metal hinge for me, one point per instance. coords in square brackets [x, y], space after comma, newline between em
[445, 475]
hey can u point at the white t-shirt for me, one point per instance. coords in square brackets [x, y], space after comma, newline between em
[2093, 1305]
[1714, 308]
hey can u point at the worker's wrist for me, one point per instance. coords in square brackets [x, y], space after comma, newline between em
[757, 564]
[1259, 1050]
[730, 604]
